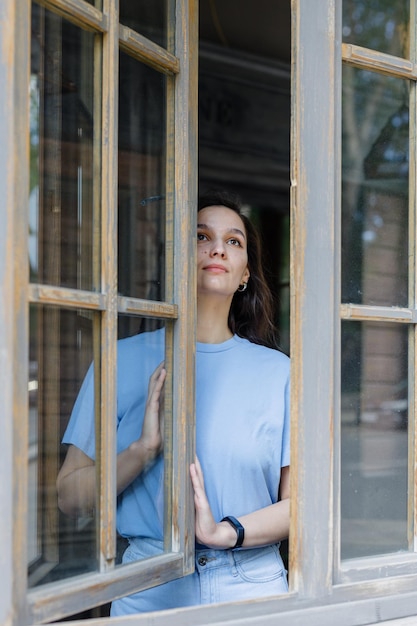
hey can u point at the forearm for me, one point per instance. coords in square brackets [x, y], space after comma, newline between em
[77, 480]
[266, 526]
[132, 462]
[263, 527]
[77, 491]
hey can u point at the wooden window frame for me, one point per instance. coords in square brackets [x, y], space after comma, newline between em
[402, 563]
[322, 592]
[55, 600]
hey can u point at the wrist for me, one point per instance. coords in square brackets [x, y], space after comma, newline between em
[145, 453]
[227, 538]
[238, 530]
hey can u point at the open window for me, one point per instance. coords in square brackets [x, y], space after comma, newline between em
[110, 216]
[105, 251]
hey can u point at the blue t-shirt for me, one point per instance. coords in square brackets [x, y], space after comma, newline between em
[242, 426]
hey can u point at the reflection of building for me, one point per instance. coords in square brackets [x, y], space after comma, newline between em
[375, 403]
[385, 263]
[378, 273]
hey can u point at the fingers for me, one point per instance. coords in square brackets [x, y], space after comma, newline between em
[158, 376]
[153, 422]
[194, 476]
[197, 472]
[205, 525]
[156, 384]
[197, 479]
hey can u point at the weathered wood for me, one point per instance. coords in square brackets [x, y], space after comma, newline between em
[15, 54]
[315, 204]
[149, 308]
[48, 601]
[64, 297]
[184, 274]
[283, 611]
[105, 340]
[80, 13]
[376, 61]
[147, 51]
[386, 567]
[366, 591]
[412, 294]
[169, 283]
[14, 183]
[377, 313]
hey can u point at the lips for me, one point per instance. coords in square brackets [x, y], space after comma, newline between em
[215, 268]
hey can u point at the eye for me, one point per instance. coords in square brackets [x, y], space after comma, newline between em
[201, 237]
[234, 242]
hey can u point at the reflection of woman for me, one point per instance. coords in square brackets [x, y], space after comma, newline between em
[242, 398]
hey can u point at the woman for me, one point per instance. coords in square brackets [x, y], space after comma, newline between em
[241, 473]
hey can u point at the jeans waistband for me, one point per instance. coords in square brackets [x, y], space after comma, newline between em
[146, 547]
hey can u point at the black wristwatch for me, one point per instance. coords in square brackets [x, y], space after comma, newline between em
[238, 528]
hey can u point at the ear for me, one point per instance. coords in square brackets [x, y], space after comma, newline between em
[245, 275]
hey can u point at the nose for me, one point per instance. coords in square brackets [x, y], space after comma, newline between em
[218, 248]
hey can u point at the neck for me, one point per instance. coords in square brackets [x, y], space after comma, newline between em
[212, 321]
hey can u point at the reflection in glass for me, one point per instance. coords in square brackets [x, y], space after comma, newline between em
[374, 414]
[142, 152]
[61, 152]
[140, 505]
[375, 160]
[60, 353]
[382, 25]
[146, 18]
[97, 3]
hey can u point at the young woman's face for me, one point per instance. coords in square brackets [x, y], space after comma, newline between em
[222, 257]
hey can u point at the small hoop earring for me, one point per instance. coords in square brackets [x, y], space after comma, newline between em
[242, 287]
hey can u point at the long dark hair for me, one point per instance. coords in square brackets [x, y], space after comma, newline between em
[251, 312]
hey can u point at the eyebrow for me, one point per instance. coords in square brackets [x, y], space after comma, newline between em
[236, 231]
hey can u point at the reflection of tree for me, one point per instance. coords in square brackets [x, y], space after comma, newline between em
[372, 105]
[34, 132]
[368, 100]
[377, 24]
[34, 164]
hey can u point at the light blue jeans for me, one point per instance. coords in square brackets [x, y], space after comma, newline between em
[220, 576]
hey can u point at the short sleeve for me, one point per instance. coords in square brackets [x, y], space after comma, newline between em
[285, 453]
[80, 431]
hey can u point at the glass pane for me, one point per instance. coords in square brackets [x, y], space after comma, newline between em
[60, 352]
[141, 180]
[146, 18]
[61, 201]
[374, 415]
[382, 25]
[141, 502]
[97, 3]
[375, 160]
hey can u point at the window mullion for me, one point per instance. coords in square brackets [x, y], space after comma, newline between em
[378, 61]
[315, 194]
[412, 394]
[106, 407]
[169, 284]
[79, 12]
[15, 28]
[185, 217]
[147, 51]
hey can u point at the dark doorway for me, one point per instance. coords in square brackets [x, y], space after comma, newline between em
[244, 121]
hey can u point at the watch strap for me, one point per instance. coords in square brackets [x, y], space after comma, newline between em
[240, 531]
